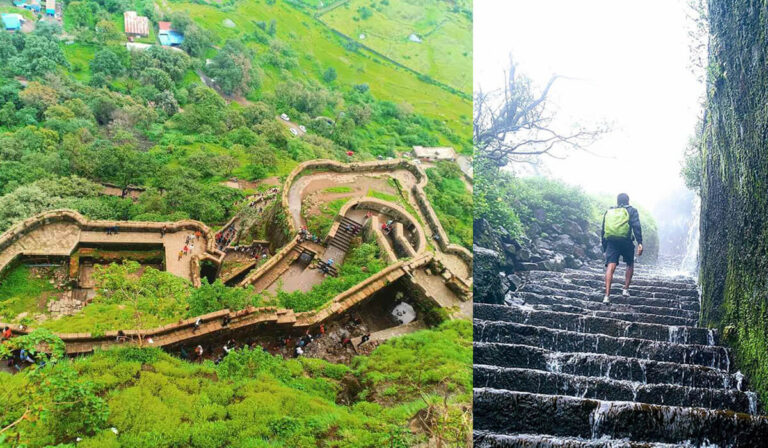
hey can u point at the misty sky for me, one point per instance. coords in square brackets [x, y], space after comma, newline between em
[630, 61]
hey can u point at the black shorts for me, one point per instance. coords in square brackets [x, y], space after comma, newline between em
[624, 249]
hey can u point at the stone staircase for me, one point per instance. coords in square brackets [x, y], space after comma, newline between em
[343, 237]
[555, 367]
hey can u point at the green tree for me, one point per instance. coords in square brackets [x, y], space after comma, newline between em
[232, 69]
[106, 63]
[329, 75]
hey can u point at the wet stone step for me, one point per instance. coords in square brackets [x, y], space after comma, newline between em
[485, 439]
[597, 296]
[569, 341]
[659, 286]
[598, 293]
[606, 366]
[626, 316]
[549, 299]
[642, 273]
[636, 291]
[519, 412]
[554, 383]
[594, 325]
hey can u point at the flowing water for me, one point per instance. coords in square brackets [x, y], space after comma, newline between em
[556, 367]
[690, 262]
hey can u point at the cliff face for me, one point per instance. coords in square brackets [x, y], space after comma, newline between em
[734, 215]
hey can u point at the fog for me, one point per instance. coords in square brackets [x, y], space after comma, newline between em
[627, 65]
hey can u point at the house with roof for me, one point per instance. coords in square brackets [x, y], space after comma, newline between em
[50, 7]
[168, 36]
[33, 5]
[136, 26]
[12, 22]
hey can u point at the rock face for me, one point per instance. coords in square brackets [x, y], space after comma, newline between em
[499, 258]
[556, 367]
[734, 203]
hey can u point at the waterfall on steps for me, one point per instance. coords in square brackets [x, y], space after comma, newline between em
[690, 262]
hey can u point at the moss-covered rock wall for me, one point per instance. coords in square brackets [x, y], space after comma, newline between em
[734, 215]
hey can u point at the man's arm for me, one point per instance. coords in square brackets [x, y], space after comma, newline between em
[634, 223]
[603, 242]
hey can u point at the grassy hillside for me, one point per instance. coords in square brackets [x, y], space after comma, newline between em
[316, 48]
[444, 31]
[145, 398]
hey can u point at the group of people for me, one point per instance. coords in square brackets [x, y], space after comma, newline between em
[224, 237]
[189, 243]
[352, 229]
[387, 227]
[305, 235]
[304, 341]
[254, 250]
[111, 230]
[20, 357]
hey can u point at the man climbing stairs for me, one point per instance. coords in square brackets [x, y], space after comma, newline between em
[556, 367]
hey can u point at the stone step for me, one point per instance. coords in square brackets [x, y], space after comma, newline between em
[571, 341]
[649, 286]
[618, 277]
[606, 366]
[629, 317]
[644, 273]
[486, 439]
[596, 304]
[510, 412]
[594, 325]
[581, 292]
[555, 383]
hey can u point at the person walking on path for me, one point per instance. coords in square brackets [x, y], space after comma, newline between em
[621, 227]
[366, 337]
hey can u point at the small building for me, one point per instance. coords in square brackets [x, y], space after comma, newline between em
[434, 153]
[50, 7]
[12, 22]
[168, 36]
[19, 3]
[136, 25]
[34, 6]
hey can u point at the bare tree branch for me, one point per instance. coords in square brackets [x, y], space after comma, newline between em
[515, 121]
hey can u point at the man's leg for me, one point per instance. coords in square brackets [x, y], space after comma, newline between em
[628, 276]
[609, 270]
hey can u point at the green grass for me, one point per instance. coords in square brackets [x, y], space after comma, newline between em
[10, 9]
[384, 196]
[99, 317]
[20, 292]
[251, 399]
[451, 201]
[445, 53]
[320, 224]
[319, 48]
[338, 190]
[79, 56]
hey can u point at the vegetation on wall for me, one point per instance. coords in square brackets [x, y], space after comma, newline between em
[734, 206]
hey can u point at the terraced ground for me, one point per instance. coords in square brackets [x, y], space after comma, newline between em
[556, 367]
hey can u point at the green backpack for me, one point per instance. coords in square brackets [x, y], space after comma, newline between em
[617, 223]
